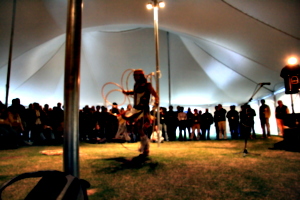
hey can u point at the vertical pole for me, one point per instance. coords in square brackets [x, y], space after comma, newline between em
[169, 67]
[10, 51]
[71, 88]
[155, 13]
[292, 104]
[275, 102]
[155, 17]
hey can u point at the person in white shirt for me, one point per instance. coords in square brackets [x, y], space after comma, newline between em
[156, 135]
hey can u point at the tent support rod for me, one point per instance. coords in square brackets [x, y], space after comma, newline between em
[10, 52]
[169, 67]
[71, 88]
[156, 38]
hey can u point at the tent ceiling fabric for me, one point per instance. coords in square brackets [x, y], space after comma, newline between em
[211, 51]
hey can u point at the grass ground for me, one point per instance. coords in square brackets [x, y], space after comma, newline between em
[175, 170]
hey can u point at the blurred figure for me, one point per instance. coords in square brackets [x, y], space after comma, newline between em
[172, 123]
[58, 121]
[189, 121]
[216, 122]
[206, 121]
[130, 123]
[122, 132]
[9, 138]
[156, 135]
[251, 114]
[18, 108]
[182, 118]
[115, 110]
[196, 119]
[163, 122]
[86, 123]
[38, 121]
[264, 116]
[242, 115]
[247, 120]
[141, 94]
[233, 120]
[280, 113]
[221, 119]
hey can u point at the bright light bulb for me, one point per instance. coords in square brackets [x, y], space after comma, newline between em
[149, 6]
[292, 61]
[161, 4]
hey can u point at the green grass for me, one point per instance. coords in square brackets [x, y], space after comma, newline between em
[175, 170]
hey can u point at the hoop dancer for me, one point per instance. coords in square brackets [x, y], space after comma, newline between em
[141, 115]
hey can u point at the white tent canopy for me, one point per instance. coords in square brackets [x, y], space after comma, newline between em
[211, 51]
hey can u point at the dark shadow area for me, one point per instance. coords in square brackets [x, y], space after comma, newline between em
[137, 162]
[290, 142]
[287, 146]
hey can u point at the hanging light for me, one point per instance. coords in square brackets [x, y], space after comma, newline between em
[161, 4]
[292, 61]
[151, 5]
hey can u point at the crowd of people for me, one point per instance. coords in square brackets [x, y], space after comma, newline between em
[36, 124]
[20, 125]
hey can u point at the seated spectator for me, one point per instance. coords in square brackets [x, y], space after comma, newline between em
[156, 135]
[9, 138]
[97, 136]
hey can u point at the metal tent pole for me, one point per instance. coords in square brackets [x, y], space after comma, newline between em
[71, 88]
[10, 51]
[169, 68]
[155, 12]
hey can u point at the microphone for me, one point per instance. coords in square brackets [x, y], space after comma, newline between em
[265, 83]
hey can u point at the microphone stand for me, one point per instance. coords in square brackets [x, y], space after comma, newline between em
[245, 151]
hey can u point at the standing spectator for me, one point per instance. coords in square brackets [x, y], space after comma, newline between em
[37, 118]
[251, 113]
[172, 123]
[247, 120]
[18, 107]
[216, 122]
[48, 112]
[233, 120]
[47, 134]
[206, 121]
[109, 123]
[163, 122]
[115, 109]
[243, 119]
[221, 119]
[189, 121]
[97, 116]
[86, 123]
[58, 120]
[182, 118]
[280, 113]
[264, 115]
[28, 123]
[196, 119]
[15, 120]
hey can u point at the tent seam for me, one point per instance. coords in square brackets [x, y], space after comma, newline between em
[277, 29]
[41, 67]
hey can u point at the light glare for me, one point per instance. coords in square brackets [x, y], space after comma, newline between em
[161, 4]
[292, 61]
[149, 6]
